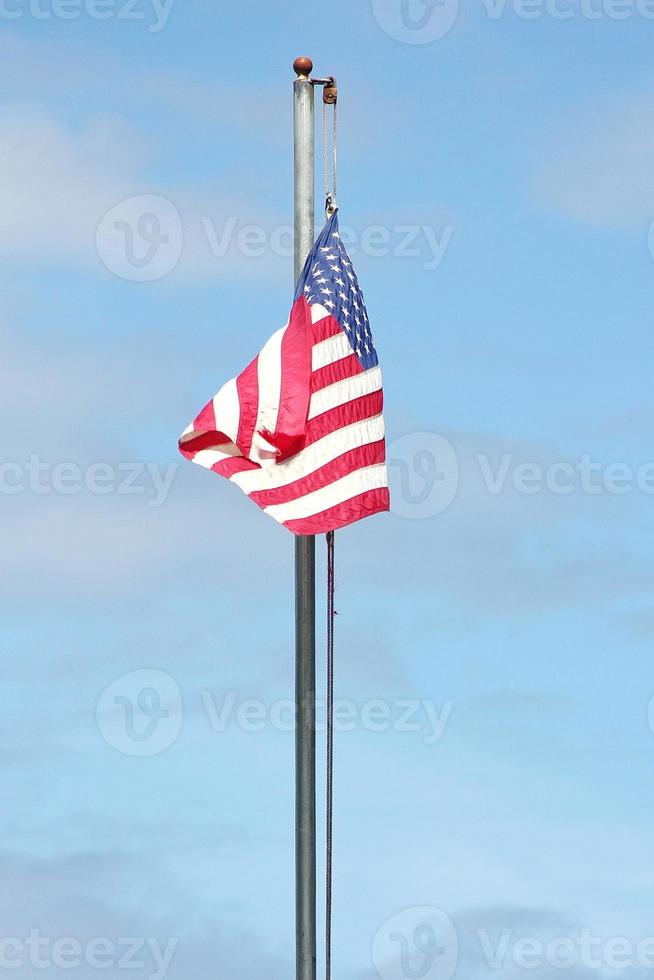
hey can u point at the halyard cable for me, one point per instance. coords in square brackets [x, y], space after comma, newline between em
[329, 98]
[330, 190]
[334, 153]
[331, 589]
[325, 157]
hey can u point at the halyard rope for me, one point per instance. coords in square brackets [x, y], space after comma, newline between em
[331, 589]
[330, 190]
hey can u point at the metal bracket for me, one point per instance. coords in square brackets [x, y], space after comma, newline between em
[330, 89]
[330, 92]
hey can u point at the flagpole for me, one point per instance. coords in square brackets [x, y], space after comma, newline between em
[305, 577]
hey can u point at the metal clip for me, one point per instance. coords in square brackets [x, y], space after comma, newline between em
[331, 207]
[330, 91]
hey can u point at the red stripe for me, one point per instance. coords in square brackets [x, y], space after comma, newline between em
[365, 407]
[324, 329]
[247, 387]
[344, 367]
[354, 509]
[206, 440]
[294, 396]
[348, 462]
[206, 420]
[235, 464]
[204, 424]
[356, 410]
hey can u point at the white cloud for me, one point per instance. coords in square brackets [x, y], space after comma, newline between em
[64, 163]
[57, 182]
[53, 185]
[105, 894]
[503, 551]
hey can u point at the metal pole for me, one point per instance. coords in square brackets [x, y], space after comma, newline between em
[305, 579]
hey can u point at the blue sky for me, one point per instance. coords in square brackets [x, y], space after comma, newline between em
[517, 140]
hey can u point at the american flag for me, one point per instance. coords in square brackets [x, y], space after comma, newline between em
[301, 429]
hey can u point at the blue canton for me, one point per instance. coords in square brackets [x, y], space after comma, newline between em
[329, 279]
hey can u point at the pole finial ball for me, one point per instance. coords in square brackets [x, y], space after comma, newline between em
[303, 66]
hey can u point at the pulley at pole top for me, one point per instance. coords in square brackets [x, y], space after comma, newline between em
[330, 91]
[303, 67]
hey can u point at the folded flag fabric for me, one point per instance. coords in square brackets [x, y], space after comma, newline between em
[301, 429]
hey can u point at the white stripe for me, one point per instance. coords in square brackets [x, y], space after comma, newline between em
[227, 411]
[209, 457]
[313, 457]
[368, 478]
[344, 391]
[330, 350]
[269, 373]
[318, 312]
